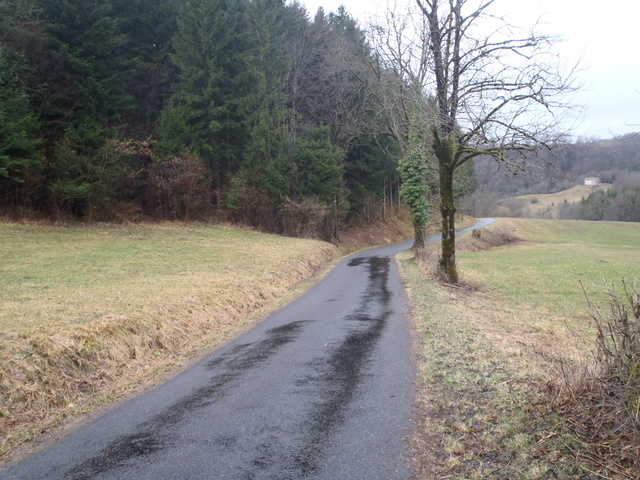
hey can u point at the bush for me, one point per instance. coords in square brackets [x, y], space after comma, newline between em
[602, 402]
[306, 219]
[618, 347]
[180, 187]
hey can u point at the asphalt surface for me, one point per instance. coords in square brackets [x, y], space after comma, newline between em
[322, 389]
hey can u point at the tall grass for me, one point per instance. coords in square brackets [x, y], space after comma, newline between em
[602, 399]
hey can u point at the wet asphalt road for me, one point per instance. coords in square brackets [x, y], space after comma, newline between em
[322, 389]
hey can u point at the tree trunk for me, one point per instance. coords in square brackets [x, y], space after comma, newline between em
[448, 211]
[419, 236]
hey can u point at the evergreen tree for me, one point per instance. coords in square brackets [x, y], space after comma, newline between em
[147, 27]
[88, 72]
[82, 99]
[19, 136]
[274, 106]
[262, 100]
[319, 166]
[201, 114]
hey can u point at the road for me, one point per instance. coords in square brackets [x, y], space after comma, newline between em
[321, 389]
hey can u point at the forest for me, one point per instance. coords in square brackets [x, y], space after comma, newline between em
[242, 110]
[251, 111]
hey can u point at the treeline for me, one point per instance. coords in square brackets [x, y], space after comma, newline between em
[174, 109]
[620, 203]
[613, 161]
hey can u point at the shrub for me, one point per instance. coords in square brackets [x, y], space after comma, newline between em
[602, 402]
[180, 187]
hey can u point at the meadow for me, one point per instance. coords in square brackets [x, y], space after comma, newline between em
[93, 313]
[90, 313]
[501, 349]
[547, 205]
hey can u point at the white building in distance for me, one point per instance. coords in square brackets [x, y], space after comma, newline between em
[592, 181]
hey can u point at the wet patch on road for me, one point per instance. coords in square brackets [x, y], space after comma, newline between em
[154, 435]
[356, 262]
[336, 379]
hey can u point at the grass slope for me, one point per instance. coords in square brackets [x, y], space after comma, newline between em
[89, 312]
[494, 350]
[547, 205]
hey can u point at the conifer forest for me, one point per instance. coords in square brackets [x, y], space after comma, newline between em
[254, 111]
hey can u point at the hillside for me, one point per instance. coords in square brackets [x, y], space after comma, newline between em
[114, 111]
[553, 185]
[546, 205]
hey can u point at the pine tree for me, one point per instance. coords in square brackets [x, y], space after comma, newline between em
[262, 99]
[83, 99]
[320, 171]
[19, 136]
[201, 114]
[147, 27]
[88, 72]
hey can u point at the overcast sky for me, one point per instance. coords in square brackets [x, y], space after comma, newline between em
[604, 35]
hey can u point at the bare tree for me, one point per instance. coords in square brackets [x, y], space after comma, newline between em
[499, 92]
[401, 65]
[494, 90]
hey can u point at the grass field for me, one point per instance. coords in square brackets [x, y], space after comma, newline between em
[542, 277]
[497, 349]
[77, 275]
[547, 205]
[88, 312]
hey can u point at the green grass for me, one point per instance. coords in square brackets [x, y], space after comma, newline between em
[558, 256]
[75, 275]
[491, 352]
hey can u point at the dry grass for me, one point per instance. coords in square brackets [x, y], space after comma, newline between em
[482, 388]
[396, 227]
[496, 346]
[571, 195]
[89, 312]
[547, 205]
[601, 401]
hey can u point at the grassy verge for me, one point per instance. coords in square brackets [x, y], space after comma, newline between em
[89, 312]
[494, 351]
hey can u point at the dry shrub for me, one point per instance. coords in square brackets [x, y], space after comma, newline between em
[428, 261]
[305, 219]
[485, 239]
[602, 400]
[179, 187]
[252, 206]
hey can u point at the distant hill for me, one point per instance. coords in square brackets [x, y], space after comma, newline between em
[553, 186]
[545, 205]
[615, 161]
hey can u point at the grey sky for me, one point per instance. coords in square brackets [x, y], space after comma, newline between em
[603, 36]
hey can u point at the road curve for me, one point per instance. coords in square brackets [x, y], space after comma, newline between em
[321, 389]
